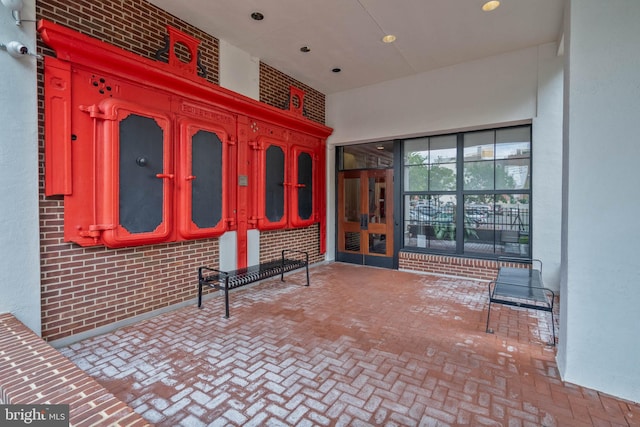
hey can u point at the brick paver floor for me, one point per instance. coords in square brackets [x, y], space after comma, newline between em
[360, 347]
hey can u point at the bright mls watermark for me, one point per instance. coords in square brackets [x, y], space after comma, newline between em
[34, 415]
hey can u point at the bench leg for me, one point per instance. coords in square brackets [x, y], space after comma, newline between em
[306, 266]
[487, 330]
[200, 287]
[226, 297]
[553, 329]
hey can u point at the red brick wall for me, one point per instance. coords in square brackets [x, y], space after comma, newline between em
[274, 90]
[84, 288]
[441, 264]
[303, 239]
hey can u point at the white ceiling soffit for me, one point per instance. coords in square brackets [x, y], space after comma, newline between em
[347, 34]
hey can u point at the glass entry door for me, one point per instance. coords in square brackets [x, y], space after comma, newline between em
[365, 217]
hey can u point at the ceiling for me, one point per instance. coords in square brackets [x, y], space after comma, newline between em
[347, 34]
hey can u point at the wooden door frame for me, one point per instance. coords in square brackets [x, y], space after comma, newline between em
[376, 227]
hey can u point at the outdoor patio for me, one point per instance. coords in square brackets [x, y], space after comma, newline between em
[360, 346]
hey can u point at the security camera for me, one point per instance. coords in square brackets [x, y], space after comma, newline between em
[17, 49]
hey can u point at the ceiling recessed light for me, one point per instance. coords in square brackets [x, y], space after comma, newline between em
[389, 38]
[257, 16]
[305, 49]
[336, 70]
[490, 5]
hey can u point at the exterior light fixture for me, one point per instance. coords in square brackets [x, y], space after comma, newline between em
[389, 38]
[336, 70]
[490, 5]
[257, 16]
[305, 49]
[15, 6]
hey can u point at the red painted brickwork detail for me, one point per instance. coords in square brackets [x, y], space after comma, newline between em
[85, 288]
[274, 90]
[32, 372]
[455, 266]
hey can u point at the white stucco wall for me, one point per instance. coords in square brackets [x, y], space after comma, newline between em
[600, 326]
[547, 165]
[239, 72]
[494, 90]
[19, 236]
[516, 87]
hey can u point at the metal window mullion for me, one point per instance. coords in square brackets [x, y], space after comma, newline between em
[460, 194]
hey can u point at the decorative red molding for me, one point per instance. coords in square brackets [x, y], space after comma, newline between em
[74, 47]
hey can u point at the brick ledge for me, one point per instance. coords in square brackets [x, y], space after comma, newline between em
[33, 372]
[473, 268]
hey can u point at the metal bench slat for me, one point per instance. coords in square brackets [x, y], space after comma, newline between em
[521, 287]
[227, 280]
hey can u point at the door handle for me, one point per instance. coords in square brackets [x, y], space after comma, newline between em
[364, 221]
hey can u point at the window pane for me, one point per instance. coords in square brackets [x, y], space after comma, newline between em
[305, 191]
[495, 227]
[141, 158]
[442, 177]
[429, 222]
[416, 151]
[420, 208]
[416, 177]
[443, 225]
[378, 243]
[513, 174]
[274, 180]
[479, 223]
[443, 149]
[512, 224]
[478, 175]
[513, 143]
[479, 146]
[376, 155]
[378, 199]
[206, 189]
[351, 200]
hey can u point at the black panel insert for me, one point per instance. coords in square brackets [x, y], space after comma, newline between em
[206, 190]
[274, 183]
[305, 193]
[141, 158]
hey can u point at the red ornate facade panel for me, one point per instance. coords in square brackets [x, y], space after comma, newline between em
[146, 152]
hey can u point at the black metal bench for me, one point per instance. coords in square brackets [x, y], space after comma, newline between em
[521, 287]
[227, 280]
